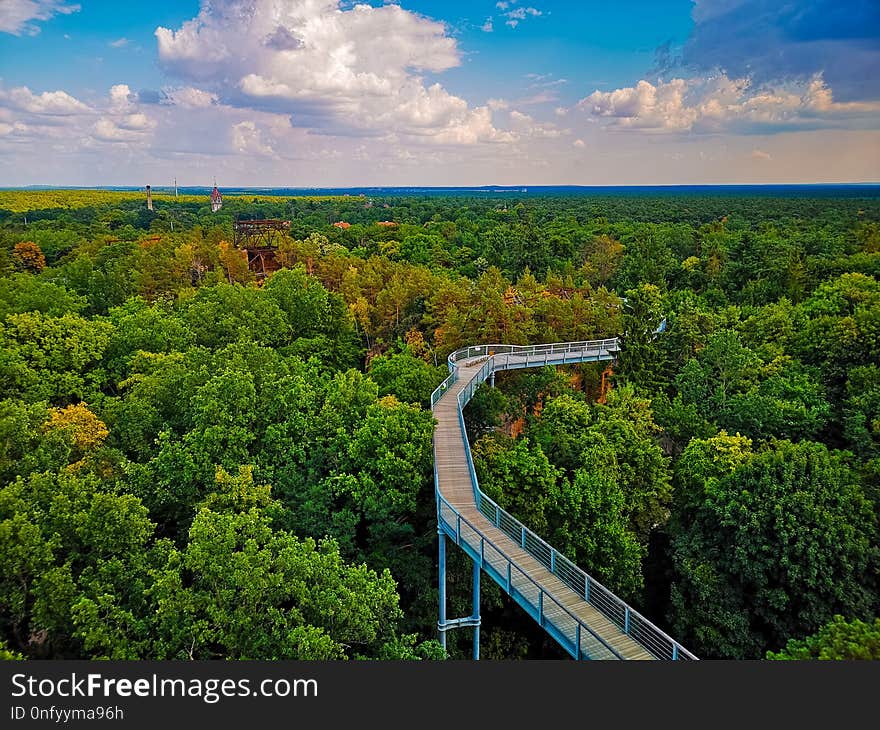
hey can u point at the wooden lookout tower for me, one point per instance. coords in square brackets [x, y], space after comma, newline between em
[260, 239]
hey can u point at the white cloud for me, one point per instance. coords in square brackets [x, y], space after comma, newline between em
[345, 72]
[119, 43]
[137, 122]
[130, 128]
[123, 119]
[546, 96]
[515, 16]
[488, 26]
[718, 103]
[644, 106]
[189, 97]
[121, 99]
[528, 126]
[248, 139]
[312, 92]
[55, 103]
[544, 81]
[17, 16]
[175, 123]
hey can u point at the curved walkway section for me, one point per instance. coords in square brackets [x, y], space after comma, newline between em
[583, 616]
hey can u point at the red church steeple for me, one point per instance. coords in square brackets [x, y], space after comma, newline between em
[216, 199]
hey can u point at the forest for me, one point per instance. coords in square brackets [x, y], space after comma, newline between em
[199, 464]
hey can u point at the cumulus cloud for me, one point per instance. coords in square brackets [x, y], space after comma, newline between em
[122, 100]
[122, 118]
[761, 155]
[526, 125]
[723, 104]
[579, 143]
[125, 129]
[119, 43]
[342, 71]
[643, 106]
[281, 39]
[769, 41]
[179, 121]
[53, 103]
[189, 97]
[17, 16]
[248, 139]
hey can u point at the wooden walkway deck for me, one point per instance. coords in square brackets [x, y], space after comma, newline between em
[454, 484]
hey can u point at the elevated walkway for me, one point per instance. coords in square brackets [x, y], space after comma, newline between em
[583, 616]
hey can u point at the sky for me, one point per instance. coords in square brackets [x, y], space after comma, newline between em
[328, 93]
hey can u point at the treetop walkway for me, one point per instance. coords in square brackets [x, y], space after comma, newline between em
[583, 616]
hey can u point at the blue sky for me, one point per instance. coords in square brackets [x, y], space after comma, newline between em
[320, 92]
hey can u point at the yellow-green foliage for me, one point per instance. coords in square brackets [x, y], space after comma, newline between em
[21, 201]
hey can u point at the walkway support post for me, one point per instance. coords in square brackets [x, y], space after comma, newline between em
[476, 613]
[441, 624]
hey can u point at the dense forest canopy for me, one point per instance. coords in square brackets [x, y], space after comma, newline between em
[198, 464]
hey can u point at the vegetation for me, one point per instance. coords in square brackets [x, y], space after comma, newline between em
[839, 639]
[198, 464]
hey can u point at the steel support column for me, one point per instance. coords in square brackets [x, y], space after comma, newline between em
[441, 623]
[476, 614]
[472, 621]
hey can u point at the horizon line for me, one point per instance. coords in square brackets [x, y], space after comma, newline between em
[51, 186]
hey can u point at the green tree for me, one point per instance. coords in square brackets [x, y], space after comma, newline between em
[729, 384]
[641, 358]
[52, 358]
[319, 321]
[647, 259]
[25, 293]
[702, 464]
[627, 425]
[243, 589]
[862, 411]
[26, 446]
[409, 378]
[591, 523]
[485, 411]
[749, 576]
[837, 640]
[563, 431]
[64, 539]
[517, 475]
[841, 328]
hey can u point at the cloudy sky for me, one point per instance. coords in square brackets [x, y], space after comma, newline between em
[439, 92]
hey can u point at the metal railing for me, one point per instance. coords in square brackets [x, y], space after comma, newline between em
[571, 632]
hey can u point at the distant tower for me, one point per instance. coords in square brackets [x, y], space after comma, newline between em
[149, 198]
[216, 199]
[175, 188]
